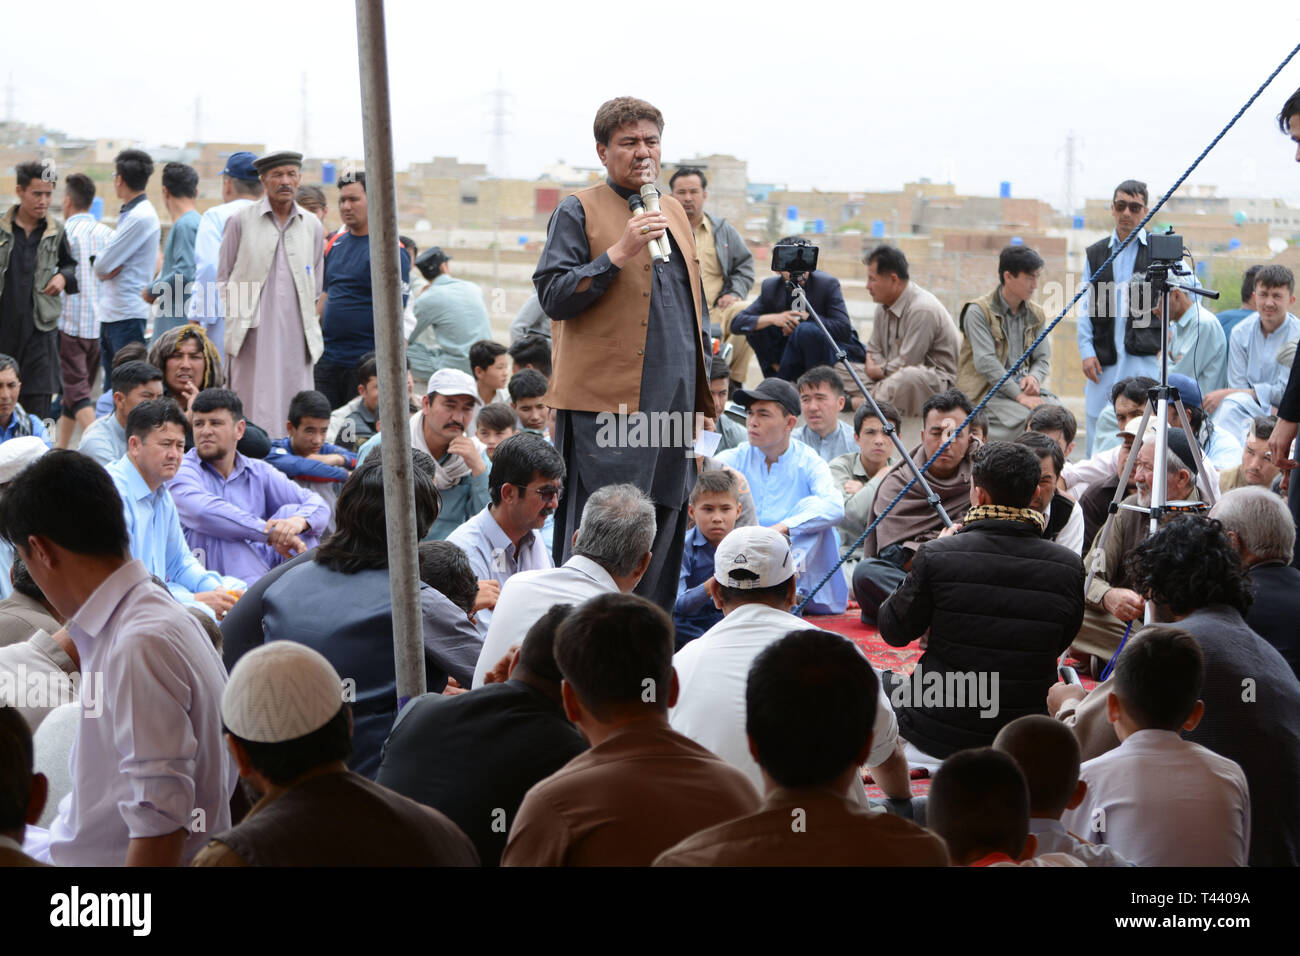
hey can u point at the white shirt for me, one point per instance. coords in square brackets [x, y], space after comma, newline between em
[155, 761]
[712, 671]
[1071, 536]
[1080, 476]
[530, 594]
[1160, 800]
[1054, 838]
[494, 557]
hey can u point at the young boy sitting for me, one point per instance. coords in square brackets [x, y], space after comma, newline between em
[858, 473]
[1158, 799]
[527, 389]
[305, 455]
[1047, 753]
[489, 363]
[979, 804]
[494, 424]
[714, 508]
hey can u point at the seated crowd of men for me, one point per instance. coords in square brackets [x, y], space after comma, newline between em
[235, 588]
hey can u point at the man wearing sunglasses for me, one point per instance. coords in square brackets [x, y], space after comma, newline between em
[1118, 336]
[525, 484]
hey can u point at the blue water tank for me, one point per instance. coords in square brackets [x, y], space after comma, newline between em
[1078, 222]
[523, 240]
[819, 226]
[327, 173]
[877, 229]
[791, 213]
[1004, 190]
[1017, 241]
[1234, 243]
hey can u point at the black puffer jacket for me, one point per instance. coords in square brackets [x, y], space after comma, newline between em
[1000, 603]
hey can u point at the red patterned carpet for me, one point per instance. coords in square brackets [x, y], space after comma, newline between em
[882, 657]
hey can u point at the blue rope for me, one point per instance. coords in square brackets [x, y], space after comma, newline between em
[1110, 664]
[1043, 335]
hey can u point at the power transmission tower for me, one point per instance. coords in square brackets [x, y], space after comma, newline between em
[305, 115]
[198, 120]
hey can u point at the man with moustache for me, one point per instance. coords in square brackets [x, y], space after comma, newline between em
[270, 274]
[629, 339]
[526, 483]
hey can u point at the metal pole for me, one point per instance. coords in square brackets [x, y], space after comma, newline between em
[390, 347]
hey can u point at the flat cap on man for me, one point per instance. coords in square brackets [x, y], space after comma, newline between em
[283, 157]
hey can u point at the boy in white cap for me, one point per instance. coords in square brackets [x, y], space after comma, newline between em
[290, 732]
[754, 585]
[440, 428]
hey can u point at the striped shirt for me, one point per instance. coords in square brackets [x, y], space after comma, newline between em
[87, 237]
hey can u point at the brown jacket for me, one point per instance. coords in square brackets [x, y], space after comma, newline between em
[597, 355]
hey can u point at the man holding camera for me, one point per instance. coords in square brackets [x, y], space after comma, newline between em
[786, 342]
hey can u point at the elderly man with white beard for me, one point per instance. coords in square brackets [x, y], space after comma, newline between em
[1110, 603]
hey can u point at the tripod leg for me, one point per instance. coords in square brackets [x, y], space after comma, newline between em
[1202, 477]
[1120, 491]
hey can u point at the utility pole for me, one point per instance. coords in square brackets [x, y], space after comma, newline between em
[305, 114]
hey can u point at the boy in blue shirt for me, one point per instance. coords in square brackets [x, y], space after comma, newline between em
[305, 456]
[713, 509]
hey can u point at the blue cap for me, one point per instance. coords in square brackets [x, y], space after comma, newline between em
[1188, 390]
[240, 166]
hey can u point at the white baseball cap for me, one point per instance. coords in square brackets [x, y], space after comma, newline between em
[280, 691]
[762, 552]
[452, 381]
[17, 453]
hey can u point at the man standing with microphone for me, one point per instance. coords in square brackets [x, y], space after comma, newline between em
[1288, 410]
[629, 338]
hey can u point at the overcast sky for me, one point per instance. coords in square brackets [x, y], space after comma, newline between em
[851, 96]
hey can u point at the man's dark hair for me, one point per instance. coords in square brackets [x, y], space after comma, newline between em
[1017, 260]
[135, 166]
[497, 417]
[24, 173]
[352, 177]
[80, 188]
[1047, 753]
[1133, 187]
[1262, 426]
[131, 352]
[17, 763]
[216, 399]
[1053, 418]
[688, 171]
[180, 180]
[311, 198]
[947, 401]
[68, 498]
[810, 704]
[308, 404]
[131, 375]
[407, 243]
[532, 350]
[527, 383]
[283, 762]
[1158, 677]
[1248, 283]
[979, 804]
[888, 259]
[1272, 276]
[446, 569]
[1289, 109]
[537, 653]
[1008, 472]
[23, 583]
[367, 369]
[719, 481]
[718, 368]
[774, 595]
[246, 187]
[360, 539]
[155, 413]
[616, 651]
[484, 352]
[865, 411]
[821, 375]
[1189, 564]
[9, 362]
[1134, 389]
[620, 111]
[979, 422]
[520, 457]
[1043, 447]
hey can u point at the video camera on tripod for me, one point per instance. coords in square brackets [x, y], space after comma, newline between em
[797, 258]
[1167, 254]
